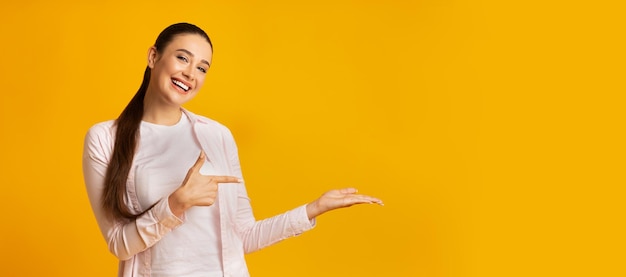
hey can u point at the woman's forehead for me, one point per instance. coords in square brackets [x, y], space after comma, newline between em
[193, 43]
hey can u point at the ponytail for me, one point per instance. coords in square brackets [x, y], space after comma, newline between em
[123, 152]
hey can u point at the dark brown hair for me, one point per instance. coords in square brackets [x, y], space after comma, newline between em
[128, 131]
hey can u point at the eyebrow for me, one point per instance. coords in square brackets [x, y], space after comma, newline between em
[191, 54]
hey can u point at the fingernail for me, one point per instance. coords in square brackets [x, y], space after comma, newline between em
[239, 180]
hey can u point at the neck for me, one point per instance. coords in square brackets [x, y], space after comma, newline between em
[160, 114]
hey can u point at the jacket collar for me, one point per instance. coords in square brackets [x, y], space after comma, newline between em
[193, 117]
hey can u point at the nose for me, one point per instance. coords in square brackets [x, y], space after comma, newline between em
[189, 73]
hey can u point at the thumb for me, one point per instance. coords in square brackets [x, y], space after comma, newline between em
[348, 190]
[196, 167]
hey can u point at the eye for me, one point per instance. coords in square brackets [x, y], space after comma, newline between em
[182, 58]
[202, 69]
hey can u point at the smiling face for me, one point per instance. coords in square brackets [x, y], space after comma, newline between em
[178, 71]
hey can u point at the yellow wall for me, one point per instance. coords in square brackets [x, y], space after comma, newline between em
[493, 130]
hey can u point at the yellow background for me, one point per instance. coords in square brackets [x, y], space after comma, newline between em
[493, 130]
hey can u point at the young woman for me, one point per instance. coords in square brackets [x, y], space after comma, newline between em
[165, 184]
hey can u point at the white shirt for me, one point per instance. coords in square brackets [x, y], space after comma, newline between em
[162, 159]
[132, 241]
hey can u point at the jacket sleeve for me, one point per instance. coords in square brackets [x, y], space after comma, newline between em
[125, 238]
[262, 233]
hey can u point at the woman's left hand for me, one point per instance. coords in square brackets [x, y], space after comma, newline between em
[339, 198]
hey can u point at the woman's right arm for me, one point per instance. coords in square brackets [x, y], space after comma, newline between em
[125, 238]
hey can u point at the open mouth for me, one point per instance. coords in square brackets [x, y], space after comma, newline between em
[180, 85]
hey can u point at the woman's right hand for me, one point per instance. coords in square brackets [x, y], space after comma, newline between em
[197, 189]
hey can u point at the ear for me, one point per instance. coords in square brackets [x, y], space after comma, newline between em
[152, 56]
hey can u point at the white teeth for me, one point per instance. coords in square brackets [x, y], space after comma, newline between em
[180, 84]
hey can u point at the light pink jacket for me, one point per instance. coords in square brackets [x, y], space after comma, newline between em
[131, 241]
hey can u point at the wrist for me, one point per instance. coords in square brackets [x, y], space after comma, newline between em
[177, 206]
[313, 210]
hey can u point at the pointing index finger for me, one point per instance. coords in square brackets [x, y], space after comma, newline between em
[227, 179]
